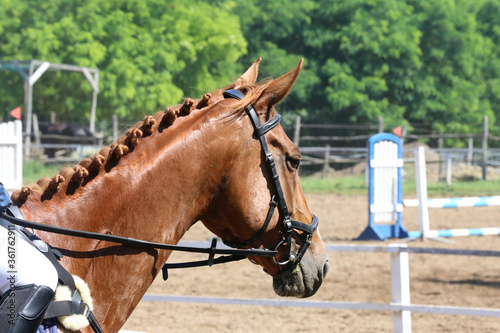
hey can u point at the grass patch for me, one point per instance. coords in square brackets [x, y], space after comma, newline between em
[463, 189]
[345, 185]
[34, 170]
[356, 186]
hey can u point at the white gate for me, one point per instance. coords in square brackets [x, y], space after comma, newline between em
[11, 157]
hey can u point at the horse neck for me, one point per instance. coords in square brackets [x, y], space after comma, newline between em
[152, 194]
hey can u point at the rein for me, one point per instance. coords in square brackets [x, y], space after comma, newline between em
[231, 254]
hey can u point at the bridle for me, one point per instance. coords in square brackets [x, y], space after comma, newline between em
[289, 225]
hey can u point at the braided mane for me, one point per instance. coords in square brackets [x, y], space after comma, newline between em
[107, 157]
[89, 168]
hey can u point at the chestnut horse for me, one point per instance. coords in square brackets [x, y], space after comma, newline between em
[199, 161]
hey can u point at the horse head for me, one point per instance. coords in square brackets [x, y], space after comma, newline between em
[261, 203]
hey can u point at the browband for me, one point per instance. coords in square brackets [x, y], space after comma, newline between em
[260, 130]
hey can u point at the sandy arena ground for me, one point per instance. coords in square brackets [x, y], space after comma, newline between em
[353, 277]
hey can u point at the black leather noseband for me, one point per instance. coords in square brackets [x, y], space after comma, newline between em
[288, 224]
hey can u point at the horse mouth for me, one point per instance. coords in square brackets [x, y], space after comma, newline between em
[301, 282]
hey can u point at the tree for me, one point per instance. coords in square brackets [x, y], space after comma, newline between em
[427, 62]
[347, 46]
[149, 53]
[454, 54]
[273, 30]
[488, 24]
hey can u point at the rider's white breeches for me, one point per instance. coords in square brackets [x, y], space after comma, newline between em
[22, 264]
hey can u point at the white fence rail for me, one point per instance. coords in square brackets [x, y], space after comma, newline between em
[400, 305]
[11, 156]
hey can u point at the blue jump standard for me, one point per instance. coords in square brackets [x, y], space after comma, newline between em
[383, 232]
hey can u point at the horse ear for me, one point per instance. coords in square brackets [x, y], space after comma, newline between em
[250, 76]
[280, 87]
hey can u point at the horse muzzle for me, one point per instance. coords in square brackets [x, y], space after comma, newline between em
[305, 279]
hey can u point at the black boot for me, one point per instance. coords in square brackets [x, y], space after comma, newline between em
[22, 309]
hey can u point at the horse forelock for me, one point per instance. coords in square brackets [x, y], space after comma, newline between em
[72, 178]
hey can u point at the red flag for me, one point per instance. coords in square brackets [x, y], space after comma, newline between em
[16, 113]
[397, 131]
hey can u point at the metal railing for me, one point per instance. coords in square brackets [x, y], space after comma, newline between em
[400, 305]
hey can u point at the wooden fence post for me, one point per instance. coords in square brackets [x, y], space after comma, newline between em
[485, 147]
[326, 165]
[440, 170]
[470, 151]
[115, 127]
[52, 117]
[380, 124]
[296, 136]
[36, 129]
[448, 170]
[403, 134]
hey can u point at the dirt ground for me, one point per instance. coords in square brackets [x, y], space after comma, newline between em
[353, 277]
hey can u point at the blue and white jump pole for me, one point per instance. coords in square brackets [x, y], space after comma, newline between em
[423, 204]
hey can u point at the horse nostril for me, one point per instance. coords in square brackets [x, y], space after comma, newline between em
[326, 268]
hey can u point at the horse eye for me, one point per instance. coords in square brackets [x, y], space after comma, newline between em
[293, 161]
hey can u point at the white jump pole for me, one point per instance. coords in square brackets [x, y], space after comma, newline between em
[423, 210]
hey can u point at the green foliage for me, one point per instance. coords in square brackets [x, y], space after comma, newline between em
[431, 63]
[149, 53]
[454, 55]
